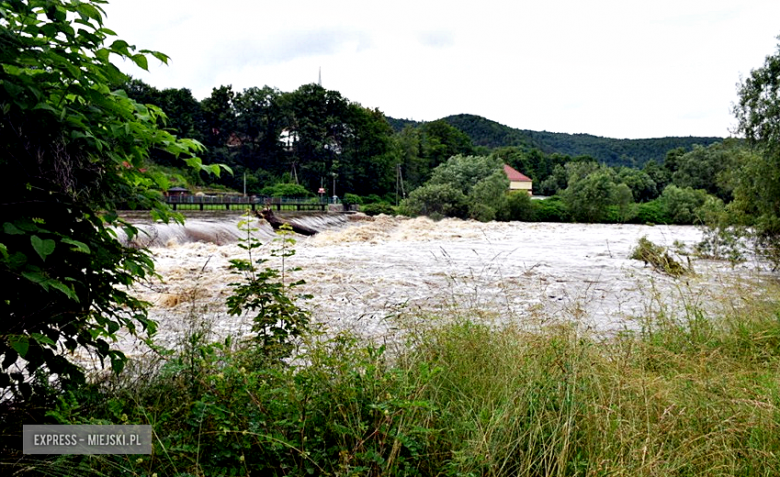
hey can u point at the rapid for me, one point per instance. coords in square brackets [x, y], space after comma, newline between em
[368, 275]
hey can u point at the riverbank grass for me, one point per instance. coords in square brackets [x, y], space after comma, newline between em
[689, 395]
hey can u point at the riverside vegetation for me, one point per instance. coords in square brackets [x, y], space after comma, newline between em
[679, 393]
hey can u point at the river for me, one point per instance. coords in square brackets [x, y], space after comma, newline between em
[375, 277]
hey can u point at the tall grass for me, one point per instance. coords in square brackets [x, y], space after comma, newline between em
[684, 394]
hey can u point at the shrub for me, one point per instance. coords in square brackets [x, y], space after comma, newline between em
[482, 212]
[521, 206]
[285, 190]
[682, 204]
[350, 199]
[378, 208]
[551, 210]
[653, 212]
[372, 199]
[442, 199]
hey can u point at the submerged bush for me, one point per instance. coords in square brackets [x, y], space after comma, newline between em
[658, 257]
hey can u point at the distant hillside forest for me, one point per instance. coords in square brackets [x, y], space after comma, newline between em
[613, 152]
[294, 143]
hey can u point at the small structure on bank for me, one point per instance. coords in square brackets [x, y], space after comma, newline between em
[177, 192]
[518, 180]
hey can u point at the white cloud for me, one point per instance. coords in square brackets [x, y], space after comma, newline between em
[611, 68]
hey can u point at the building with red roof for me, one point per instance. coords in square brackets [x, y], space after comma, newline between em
[518, 180]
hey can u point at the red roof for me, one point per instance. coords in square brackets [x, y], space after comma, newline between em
[515, 176]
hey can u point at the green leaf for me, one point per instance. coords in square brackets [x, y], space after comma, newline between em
[214, 169]
[11, 229]
[20, 344]
[77, 246]
[58, 285]
[47, 107]
[89, 11]
[141, 61]
[194, 162]
[120, 47]
[44, 247]
[43, 339]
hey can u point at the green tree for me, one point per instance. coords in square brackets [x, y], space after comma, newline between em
[681, 204]
[642, 186]
[756, 182]
[702, 168]
[555, 182]
[591, 189]
[182, 112]
[624, 203]
[481, 179]
[260, 119]
[442, 141]
[658, 174]
[437, 200]
[520, 206]
[73, 147]
[286, 190]
[488, 198]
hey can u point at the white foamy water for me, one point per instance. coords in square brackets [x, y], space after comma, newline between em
[364, 274]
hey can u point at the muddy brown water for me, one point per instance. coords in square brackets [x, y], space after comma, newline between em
[371, 276]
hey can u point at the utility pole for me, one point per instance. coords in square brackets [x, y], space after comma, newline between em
[335, 197]
[399, 183]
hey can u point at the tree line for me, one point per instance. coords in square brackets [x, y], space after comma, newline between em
[315, 138]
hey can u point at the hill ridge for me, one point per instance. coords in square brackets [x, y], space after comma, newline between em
[612, 151]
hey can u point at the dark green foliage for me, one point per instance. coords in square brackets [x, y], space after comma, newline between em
[591, 189]
[614, 152]
[478, 182]
[659, 174]
[756, 180]
[643, 187]
[653, 212]
[73, 149]
[681, 205]
[442, 141]
[286, 190]
[350, 199]
[703, 168]
[552, 209]
[377, 208]
[521, 207]
[438, 200]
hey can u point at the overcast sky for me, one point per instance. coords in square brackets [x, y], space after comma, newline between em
[620, 69]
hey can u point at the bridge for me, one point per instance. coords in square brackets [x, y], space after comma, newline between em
[226, 202]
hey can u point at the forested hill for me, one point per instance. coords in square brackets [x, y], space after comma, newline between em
[636, 152]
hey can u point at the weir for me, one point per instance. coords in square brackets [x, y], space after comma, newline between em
[219, 228]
